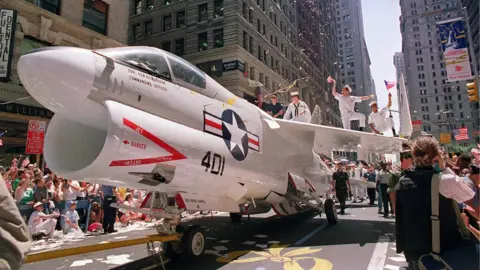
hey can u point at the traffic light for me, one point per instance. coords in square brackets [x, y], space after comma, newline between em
[472, 91]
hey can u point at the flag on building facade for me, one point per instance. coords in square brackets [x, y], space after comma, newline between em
[389, 84]
[460, 134]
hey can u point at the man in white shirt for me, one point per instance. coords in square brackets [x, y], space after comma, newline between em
[346, 104]
[297, 110]
[378, 121]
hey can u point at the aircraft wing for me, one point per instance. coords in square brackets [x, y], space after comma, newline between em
[324, 139]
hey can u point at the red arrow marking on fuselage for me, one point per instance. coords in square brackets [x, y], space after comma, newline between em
[125, 142]
[175, 155]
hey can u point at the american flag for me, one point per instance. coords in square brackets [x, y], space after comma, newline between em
[460, 134]
[389, 84]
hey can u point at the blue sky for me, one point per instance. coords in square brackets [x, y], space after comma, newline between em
[382, 34]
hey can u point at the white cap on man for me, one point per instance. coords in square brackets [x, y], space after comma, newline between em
[37, 204]
[372, 103]
[349, 88]
[294, 94]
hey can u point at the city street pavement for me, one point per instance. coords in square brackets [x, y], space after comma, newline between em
[361, 240]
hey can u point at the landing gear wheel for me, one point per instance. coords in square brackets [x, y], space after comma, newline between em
[193, 243]
[235, 217]
[331, 211]
[174, 249]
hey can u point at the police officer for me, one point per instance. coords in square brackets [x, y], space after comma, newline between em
[346, 103]
[341, 184]
[109, 195]
[275, 108]
[297, 109]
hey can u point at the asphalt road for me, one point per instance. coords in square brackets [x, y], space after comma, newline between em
[361, 240]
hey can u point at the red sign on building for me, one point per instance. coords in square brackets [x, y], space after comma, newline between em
[35, 137]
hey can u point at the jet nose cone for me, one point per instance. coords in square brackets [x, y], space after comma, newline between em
[58, 78]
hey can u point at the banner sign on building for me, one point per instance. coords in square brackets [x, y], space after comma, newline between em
[453, 36]
[35, 137]
[8, 23]
[417, 125]
[445, 138]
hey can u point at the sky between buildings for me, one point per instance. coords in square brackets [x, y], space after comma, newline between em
[383, 37]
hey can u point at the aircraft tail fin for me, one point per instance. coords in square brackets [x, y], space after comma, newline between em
[316, 116]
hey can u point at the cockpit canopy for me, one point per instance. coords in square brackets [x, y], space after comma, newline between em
[154, 62]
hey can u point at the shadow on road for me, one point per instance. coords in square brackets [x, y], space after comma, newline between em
[270, 233]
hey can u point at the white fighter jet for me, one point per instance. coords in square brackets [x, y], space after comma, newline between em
[143, 118]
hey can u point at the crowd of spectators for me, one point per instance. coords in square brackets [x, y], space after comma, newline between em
[51, 201]
[404, 192]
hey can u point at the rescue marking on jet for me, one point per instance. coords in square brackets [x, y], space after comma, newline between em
[175, 155]
[135, 144]
[232, 129]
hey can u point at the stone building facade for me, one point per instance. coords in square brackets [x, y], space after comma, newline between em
[52, 23]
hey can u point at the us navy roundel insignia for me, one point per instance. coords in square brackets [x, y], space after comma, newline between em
[232, 129]
[235, 134]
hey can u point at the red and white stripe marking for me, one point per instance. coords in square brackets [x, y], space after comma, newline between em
[253, 142]
[213, 124]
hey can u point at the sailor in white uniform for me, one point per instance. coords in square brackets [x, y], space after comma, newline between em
[347, 106]
[378, 120]
[40, 222]
[297, 110]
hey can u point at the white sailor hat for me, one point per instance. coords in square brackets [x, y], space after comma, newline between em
[372, 103]
[348, 87]
[294, 94]
[35, 205]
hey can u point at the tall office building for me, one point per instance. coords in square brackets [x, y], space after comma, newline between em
[318, 55]
[399, 64]
[443, 106]
[238, 43]
[354, 58]
[41, 23]
[473, 14]
[235, 42]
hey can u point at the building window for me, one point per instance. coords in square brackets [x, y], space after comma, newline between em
[218, 8]
[136, 31]
[166, 46]
[149, 5]
[251, 45]
[250, 15]
[167, 23]
[148, 28]
[245, 40]
[202, 12]
[95, 16]
[180, 19]
[138, 6]
[202, 42]
[180, 47]
[218, 38]
[50, 5]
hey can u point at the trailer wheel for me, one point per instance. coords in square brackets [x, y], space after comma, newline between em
[331, 212]
[174, 249]
[235, 217]
[193, 243]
